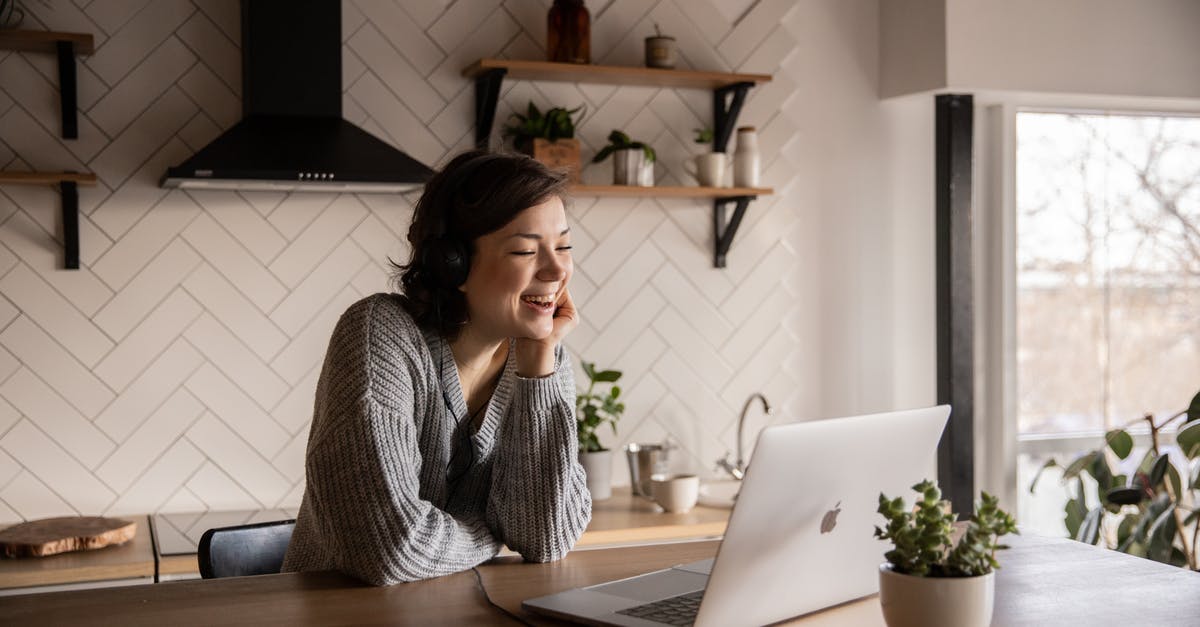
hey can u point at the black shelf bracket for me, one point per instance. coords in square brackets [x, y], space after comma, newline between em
[67, 90]
[487, 94]
[70, 220]
[725, 112]
[724, 230]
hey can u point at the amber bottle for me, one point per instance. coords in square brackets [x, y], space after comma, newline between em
[569, 32]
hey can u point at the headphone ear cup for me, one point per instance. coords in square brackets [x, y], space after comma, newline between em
[448, 262]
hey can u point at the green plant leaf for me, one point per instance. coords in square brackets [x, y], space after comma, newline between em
[1078, 465]
[1076, 512]
[1159, 470]
[1188, 439]
[1124, 496]
[607, 376]
[1193, 411]
[1089, 531]
[1101, 472]
[1161, 536]
[1175, 480]
[1120, 442]
[1194, 482]
[1050, 463]
[1191, 518]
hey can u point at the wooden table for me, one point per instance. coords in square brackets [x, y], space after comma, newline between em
[1044, 581]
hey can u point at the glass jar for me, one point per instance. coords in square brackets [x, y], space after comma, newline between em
[569, 32]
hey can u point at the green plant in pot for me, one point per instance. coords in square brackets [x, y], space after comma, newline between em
[593, 408]
[547, 136]
[1151, 510]
[930, 578]
[633, 161]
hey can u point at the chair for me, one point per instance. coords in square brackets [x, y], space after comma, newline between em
[243, 550]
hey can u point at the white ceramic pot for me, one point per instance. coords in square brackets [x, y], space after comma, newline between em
[911, 601]
[598, 468]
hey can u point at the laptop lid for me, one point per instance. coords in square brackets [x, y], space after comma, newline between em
[800, 537]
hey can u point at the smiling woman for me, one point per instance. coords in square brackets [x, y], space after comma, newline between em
[444, 422]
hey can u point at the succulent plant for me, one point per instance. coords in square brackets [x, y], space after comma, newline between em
[922, 537]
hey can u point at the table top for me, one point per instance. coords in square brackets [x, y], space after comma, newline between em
[1044, 581]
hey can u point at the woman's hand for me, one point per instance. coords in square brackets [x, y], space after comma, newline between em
[535, 358]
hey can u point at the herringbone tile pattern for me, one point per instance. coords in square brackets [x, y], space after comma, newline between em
[175, 371]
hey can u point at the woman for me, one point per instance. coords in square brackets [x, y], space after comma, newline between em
[444, 423]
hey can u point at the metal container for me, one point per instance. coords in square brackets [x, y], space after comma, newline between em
[627, 166]
[645, 461]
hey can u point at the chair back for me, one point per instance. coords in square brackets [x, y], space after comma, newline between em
[243, 550]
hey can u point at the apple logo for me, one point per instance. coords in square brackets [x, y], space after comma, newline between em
[829, 521]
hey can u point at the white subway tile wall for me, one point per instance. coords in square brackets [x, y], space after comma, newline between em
[175, 371]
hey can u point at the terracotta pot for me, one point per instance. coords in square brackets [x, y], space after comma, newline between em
[560, 154]
[598, 467]
[911, 601]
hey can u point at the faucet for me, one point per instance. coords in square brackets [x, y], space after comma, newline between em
[738, 470]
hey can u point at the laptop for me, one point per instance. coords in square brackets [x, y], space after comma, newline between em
[799, 538]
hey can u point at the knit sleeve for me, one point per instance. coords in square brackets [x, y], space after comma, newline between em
[364, 493]
[539, 504]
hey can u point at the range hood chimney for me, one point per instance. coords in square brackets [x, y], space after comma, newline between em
[292, 136]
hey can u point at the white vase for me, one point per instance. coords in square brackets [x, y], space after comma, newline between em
[598, 468]
[746, 161]
[912, 601]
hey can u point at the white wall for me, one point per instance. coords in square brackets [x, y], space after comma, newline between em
[1146, 48]
[175, 370]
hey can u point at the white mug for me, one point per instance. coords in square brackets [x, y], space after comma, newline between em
[675, 493]
[709, 168]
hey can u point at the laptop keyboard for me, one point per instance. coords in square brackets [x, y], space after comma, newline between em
[679, 610]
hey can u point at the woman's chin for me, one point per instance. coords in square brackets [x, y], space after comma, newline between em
[538, 332]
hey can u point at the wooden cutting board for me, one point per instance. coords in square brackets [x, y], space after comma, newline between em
[48, 536]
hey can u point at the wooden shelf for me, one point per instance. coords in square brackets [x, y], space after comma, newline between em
[68, 186]
[45, 41]
[634, 191]
[47, 178]
[611, 74]
[728, 92]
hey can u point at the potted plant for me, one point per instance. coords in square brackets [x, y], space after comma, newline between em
[594, 408]
[929, 579]
[633, 161]
[547, 136]
[1146, 511]
[708, 168]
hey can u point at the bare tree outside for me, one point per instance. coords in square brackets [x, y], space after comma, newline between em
[1108, 268]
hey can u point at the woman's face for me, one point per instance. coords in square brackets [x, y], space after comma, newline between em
[519, 272]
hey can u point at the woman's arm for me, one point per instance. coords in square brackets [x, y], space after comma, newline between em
[363, 489]
[539, 504]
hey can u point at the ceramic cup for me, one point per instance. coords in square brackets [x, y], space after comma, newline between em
[708, 168]
[675, 493]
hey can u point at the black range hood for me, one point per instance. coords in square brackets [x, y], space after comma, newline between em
[292, 136]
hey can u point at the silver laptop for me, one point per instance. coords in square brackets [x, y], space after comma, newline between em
[799, 538]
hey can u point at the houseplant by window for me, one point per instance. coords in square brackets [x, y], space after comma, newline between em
[930, 579]
[547, 136]
[633, 161]
[1152, 511]
[593, 409]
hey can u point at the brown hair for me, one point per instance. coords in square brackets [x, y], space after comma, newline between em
[477, 193]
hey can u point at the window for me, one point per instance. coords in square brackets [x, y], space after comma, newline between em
[1108, 283]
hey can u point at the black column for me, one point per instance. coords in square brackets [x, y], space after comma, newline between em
[955, 307]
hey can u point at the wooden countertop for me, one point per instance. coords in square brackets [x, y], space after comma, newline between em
[1044, 581]
[623, 519]
[131, 560]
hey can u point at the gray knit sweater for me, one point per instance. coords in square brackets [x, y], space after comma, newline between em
[380, 503]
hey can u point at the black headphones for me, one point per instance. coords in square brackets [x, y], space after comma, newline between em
[445, 258]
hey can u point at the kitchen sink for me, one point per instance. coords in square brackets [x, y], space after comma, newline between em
[720, 493]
